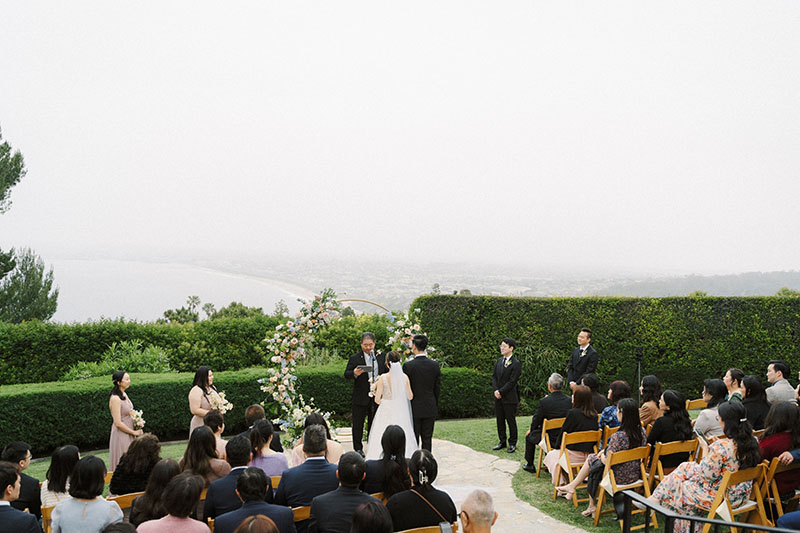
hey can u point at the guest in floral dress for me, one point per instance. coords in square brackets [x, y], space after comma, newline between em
[630, 435]
[691, 488]
[616, 391]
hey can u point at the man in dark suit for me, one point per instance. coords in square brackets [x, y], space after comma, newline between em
[506, 396]
[301, 484]
[364, 405]
[13, 520]
[554, 405]
[333, 512]
[251, 486]
[29, 498]
[251, 415]
[221, 496]
[583, 359]
[425, 377]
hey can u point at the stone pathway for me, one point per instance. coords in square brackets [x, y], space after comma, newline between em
[462, 470]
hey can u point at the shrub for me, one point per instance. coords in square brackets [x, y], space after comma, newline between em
[344, 335]
[128, 356]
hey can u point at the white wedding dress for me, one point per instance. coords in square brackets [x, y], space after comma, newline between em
[394, 409]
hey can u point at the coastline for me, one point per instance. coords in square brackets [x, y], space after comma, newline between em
[294, 290]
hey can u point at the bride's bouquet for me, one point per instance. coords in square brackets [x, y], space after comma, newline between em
[138, 420]
[218, 402]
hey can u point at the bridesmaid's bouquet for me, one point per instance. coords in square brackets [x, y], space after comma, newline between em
[138, 420]
[219, 402]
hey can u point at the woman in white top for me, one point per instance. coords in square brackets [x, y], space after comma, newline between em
[87, 511]
[707, 423]
[393, 396]
[55, 488]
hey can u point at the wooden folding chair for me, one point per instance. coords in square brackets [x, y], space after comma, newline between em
[758, 433]
[769, 488]
[211, 524]
[609, 483]
[545, 445]
[125, 500]
[430, 529]
[578, 437]
[657, 470]
[47, 513]
[108, 477]
[722, 505]
[275, 480]
[607, 432]
[379, 496]
[301, 513]
[648, 429]
[699, 403]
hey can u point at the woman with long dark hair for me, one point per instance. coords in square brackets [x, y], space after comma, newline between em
[755, 401]
[675, 425]
[264, 457]
[200, 457]
[56, 487]
[149, 505]
[134, 468]
[693, 485]
[650, 389]
[389, 474]
[199, 396]
[616, 391]
[422, 505]
[733, 381]
[334, 450]
[629, 435]
[582, 417]
[707, 423]
[122, 432]
[180, 499]
[782, 434]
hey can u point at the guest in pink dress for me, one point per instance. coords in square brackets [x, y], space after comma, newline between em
[199, 403]
[180, 499]
[122, 432]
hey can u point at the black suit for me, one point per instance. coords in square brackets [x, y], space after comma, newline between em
[333, 512]
[581, 364]
[15, 521]
[554, 405]
[425, 377]
[282, 516]
[302, 483]
[504, 380]
[30, 496]
[221, 497]
[364, 406]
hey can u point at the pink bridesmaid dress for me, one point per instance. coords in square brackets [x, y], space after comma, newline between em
[119, 441]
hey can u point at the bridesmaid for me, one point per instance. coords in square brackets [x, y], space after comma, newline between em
[199, 403]
[122, 432]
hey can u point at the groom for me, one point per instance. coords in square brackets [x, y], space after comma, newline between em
[425, 377]
[363, 404]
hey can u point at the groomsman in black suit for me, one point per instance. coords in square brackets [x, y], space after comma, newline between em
[583, 359]
[425, 377]
[364, 405]
[506, 397]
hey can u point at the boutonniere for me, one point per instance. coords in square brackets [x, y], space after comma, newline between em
[507, 362]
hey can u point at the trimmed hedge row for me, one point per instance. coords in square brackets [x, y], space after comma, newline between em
[47, 415]
[685, 340]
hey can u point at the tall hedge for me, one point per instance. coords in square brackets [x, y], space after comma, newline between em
[684, 340]
[47, 415]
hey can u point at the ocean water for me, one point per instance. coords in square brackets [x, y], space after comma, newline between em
[95, 289]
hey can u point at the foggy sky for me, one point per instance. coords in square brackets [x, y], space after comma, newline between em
[645, 136]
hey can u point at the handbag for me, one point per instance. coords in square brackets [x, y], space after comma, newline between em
[444, 525]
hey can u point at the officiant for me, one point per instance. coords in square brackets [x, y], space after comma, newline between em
[364, 367]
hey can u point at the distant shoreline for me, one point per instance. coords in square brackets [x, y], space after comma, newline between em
[297, 291]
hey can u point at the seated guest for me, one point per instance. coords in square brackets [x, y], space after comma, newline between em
[334, 449]
[257, 524]
[408, 510]
[789, 521]
[616, 391]
[707, 423]
[119, 527]
[256, 412]
[782, 434]
[251, 486]
[181, 497]
[582, 417]
[300, 484]
[755, 401]
[675, 425]
[264, 457]
[150, 505]
[477, 512]
[201, 456]
[86, 511]
[733, 381]
[55, 488]
[554, 405]
[13, 520]
[650, 389]
[781, 390]
[389, 474]
[216, 422]
[593, 382]
[332, 512]
[19, 453]
[135, 466]
[221, 497]
[372, 517]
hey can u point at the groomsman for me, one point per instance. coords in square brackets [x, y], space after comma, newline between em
[364, 405]
[425, 377]
[506, 397]
[583, 359]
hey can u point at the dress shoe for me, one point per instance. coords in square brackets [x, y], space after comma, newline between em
[360, 452]
[529, 468]
[500, 446]
[512, 448]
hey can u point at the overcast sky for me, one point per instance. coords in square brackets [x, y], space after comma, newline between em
[646, 136]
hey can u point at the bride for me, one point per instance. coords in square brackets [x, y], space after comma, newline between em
[393, 396]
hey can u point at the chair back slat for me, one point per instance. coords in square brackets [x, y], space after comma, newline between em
[125, 500]
[623, 456]
[47, 513]
[696, 404]
[429, 529]
[301, 513]
[579, 437]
